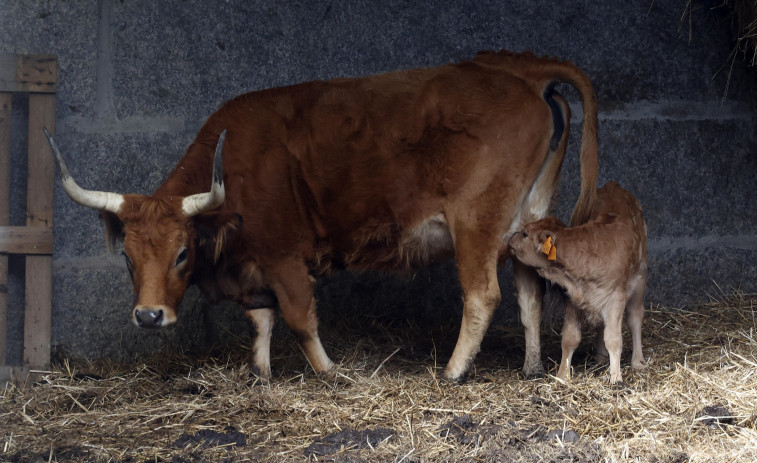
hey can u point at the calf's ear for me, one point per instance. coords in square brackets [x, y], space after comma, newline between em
[545, 235]
[214, 230]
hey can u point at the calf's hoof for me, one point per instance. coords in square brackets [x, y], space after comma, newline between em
[639, 365]
[616, 379]
[621, 386]
[259, 375]
[327, 373]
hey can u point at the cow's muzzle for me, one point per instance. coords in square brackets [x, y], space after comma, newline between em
[152, 316]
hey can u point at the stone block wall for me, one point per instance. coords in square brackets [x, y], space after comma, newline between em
[138, 78]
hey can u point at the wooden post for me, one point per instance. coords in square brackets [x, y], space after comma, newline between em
[36, 76]
[6, 101]
[39, 213]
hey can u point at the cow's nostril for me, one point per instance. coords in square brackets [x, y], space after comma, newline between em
[149, 318]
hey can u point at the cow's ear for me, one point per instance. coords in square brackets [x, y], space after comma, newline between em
[114, 229]
[214, 230]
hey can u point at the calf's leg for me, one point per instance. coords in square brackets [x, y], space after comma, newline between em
[634, 317]
[600, 351]
[571, 338]
[613, 336]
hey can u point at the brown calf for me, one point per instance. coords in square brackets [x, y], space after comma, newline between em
[602, 265]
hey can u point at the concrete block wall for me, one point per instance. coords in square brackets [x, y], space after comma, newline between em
[138, 78]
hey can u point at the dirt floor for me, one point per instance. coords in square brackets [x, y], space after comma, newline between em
[696, 401]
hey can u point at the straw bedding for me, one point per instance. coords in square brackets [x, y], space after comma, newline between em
[744, 26]
[696, 401]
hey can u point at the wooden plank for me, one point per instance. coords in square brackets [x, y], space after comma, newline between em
[20, 376]
[37, 318]
[41, 168]
[13, 375]
[28, 73]
[6, 106]
[39, 213]
[26, 240]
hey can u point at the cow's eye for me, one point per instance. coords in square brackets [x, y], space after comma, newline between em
[129, 263]
[181, 257]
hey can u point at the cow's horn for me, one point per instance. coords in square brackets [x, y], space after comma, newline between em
[196, 204]
[101, 200]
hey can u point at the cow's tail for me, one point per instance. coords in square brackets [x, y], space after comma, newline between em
[554, 72]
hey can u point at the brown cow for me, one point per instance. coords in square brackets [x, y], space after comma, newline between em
[383, 172]
[602, 264]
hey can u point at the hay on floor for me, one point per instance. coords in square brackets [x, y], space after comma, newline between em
[696, 401]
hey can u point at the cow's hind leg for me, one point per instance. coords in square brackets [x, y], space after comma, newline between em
[530, 294]
[262, 320]
[477, 270]
[294, 290]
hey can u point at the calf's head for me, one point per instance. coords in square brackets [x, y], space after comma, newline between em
[163, 237]
[537, 244]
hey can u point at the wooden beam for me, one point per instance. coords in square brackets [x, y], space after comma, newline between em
[6, 100]
[39, 213]
[28, 73]
[25, 240]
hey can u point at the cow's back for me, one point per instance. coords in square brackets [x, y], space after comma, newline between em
[361, 167]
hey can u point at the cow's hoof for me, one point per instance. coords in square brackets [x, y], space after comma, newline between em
[536, 372]
[536, 375]
[461, 379]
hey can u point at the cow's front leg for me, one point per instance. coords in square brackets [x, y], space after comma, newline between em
[262, 320]
[294, 290]
[530, 293]
[477, 270]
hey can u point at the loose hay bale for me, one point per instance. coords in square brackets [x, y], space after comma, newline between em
[698, 358]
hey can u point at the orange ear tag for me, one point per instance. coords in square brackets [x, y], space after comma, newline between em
[547, 246]
[549, 249]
